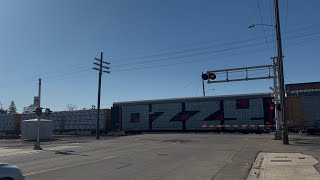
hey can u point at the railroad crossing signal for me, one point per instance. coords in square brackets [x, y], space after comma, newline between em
[205, 77]
[38, 111]
[47, 112]
[271, 107]
[212, 76]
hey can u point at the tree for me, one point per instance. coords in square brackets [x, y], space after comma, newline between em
[29, 109]
[71, 107]
[12, 108]
[2, 111]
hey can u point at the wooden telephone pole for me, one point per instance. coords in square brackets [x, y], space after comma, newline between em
[281, 75]
[101, 70]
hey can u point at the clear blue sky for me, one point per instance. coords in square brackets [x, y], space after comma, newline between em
[158, 49]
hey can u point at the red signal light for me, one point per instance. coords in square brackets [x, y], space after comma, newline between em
[212, 76]
[271, 107]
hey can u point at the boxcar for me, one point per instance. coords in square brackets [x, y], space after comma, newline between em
[244, 112]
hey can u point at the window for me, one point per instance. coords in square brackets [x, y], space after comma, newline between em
[135, 117]
[242, 104]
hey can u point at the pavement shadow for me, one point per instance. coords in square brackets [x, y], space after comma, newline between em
[168, 140]
[177, 140]
[303, 142]
[68, 153]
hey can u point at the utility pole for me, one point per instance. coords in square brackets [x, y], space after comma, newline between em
[37, 143]
[281, 75]
[100, 69]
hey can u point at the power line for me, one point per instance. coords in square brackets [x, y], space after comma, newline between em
[286, 22]
[164, 65]
[187, 56]
[66, 74]
[303, 42]
[303, 28]
[193, 54]
[288, 79]
[273, 23]
[184, 87]
[187, 52]
[190, 61]
[184, 49]
[223, 50]
[177, 63]
[264, 32]
[206, 52]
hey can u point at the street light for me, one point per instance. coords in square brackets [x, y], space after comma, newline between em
[275, 91]
[253, 25]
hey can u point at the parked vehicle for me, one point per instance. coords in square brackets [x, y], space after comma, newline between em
[10, 172]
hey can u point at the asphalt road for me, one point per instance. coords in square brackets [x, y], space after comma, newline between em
[157, 156]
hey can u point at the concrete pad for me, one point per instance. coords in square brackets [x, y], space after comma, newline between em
[293, 166]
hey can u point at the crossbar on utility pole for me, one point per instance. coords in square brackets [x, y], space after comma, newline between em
[281, 75]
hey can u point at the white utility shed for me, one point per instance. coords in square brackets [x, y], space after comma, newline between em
[29, 129]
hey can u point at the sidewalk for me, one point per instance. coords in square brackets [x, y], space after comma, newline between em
[284, 166]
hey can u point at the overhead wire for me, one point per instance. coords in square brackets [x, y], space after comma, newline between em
[273, 23]
[264, 31]
[293, 32]
[286, 23]
[288, 79]
[198, 54]
[191, 53]
[66, 74]
[187, 51]
[176, 63]
[183, 50]
[184, 87]
[164, 65]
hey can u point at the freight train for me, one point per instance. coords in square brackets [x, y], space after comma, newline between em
[63, 121]
[242, 113]
[245, 113]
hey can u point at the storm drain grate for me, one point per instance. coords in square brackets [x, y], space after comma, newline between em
[281, 156]
[281, 161]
